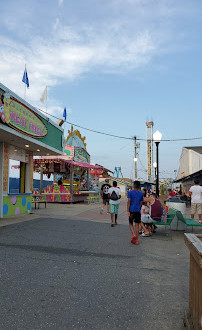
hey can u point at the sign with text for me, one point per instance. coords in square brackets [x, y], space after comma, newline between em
[20, 117]
[81, 155]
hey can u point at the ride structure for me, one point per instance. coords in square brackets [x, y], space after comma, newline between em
[117, 172]
[149, 125]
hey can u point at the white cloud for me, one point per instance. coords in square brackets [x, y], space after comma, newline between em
[68, 55]
[60, 3]
[68, 52]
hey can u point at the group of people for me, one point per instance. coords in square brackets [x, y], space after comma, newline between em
[144, 208]
[141, 209]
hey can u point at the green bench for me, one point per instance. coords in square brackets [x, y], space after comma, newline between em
[188, 221]
[170, 217]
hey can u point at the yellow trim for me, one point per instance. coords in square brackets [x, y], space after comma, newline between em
[77, 133]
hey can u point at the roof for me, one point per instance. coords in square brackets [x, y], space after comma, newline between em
[72, 163]
[196, 149]
[190, 176]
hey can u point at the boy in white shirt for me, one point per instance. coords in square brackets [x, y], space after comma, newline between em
[196, 199]
[114, 194]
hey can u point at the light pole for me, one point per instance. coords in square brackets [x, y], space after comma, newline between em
[155, 166]
[135, 161]
[157, 136]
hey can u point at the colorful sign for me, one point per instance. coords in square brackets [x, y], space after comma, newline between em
[20, 117]
[56, 198]
[69, 152]
[81, 155]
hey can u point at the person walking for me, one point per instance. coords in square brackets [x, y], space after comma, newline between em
[114, 195]
[196, 200]
[135, 199]
[104, 194]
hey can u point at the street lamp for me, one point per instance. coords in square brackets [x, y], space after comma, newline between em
[155, 166]
[157, 136]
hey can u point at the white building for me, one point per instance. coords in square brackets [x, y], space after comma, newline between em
[190, 167]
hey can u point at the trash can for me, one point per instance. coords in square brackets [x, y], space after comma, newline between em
[177, 204]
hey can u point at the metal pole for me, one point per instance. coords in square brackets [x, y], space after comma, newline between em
[135, 156]
[157, 168]
[41, 179]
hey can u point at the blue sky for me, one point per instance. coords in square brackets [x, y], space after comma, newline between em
[114, 64]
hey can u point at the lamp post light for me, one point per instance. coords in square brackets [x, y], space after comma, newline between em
[157, 136]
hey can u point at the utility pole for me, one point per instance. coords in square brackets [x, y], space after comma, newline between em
[135, 156]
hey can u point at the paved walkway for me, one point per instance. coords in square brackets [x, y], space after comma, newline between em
[64, 267]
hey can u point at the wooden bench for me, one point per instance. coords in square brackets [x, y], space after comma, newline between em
[37, 199]
[188, 221]
[170, 217]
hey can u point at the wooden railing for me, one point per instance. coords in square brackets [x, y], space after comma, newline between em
[194, 243]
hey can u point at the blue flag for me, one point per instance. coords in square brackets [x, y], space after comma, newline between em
[25, 78]
[65, 114]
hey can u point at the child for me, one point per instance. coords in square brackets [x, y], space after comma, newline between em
[145, 220]
[164, 213]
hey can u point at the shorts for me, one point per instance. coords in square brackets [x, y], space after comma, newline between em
[135, 216]
[196, 208]
[114, 208]
[146, 218]
[106, 201]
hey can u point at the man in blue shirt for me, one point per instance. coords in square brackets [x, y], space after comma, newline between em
[135, 199]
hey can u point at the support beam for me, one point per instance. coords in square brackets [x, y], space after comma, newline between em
[41, 179]
[88, 182]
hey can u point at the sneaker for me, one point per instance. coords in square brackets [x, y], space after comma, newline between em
[145, 235]
[200, 221]
[133, 239]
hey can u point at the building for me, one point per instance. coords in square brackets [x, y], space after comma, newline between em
[190, 167]
[24, 132]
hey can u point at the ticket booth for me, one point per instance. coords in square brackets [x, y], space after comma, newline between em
[24, 132]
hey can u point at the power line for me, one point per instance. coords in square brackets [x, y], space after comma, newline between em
[92, 130]
[118, 136]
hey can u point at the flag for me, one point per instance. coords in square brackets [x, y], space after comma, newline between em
[65, 114]
[44, 96]
[25, 78]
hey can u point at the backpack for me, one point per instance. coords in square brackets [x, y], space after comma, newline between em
[114, 196]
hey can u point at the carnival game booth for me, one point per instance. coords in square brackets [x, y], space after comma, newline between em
[73, 187]
[24, 132]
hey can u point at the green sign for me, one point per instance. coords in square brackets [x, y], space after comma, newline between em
[81, 155]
